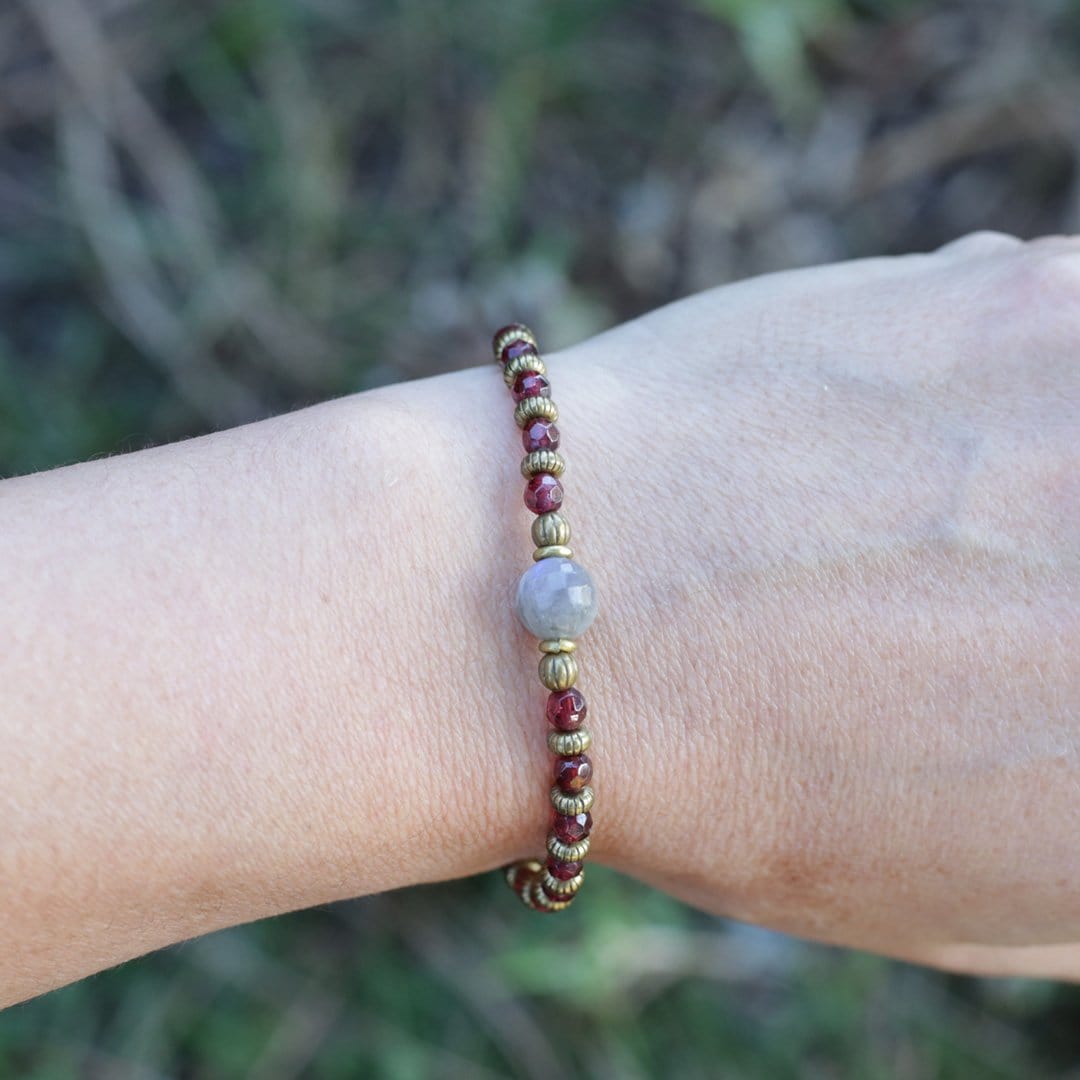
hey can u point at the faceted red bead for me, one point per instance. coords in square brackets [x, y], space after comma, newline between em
[513, 349]
[566, 709]
[570, 828]
[504, 331]
[540, 434]
[562, 871]
[530, 384]
[543, 493]
[573, 773]
[520, 877]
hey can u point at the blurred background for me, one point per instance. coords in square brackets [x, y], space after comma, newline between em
[214, 211]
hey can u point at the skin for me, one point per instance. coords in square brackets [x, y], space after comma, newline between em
[835, 518]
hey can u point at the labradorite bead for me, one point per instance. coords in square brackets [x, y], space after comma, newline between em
[556, 598]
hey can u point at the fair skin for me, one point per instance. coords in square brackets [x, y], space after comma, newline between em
[834, 516]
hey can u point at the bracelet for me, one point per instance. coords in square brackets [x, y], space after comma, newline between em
[556, 601]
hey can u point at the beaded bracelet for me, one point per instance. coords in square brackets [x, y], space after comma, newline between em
[556, 601]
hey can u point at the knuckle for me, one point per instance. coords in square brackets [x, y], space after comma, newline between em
[1046, 278]
[992, 238]
[1035, 298]
[981, 242]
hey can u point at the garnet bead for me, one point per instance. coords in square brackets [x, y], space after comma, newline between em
[513, 349]
[543, 493]
[562, 871]
[540, 434]
[530, 384]
[573, 773]
[566, 709]
[570, 828]
[510, 330]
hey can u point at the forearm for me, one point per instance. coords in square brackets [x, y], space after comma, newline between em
[279, 666]
[261, 670]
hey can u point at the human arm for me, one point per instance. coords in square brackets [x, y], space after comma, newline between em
[834, 520]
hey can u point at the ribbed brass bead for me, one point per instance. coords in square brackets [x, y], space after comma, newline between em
[522, 876]
[523, 333]
[558, 671]
[567, 852]
[518, 871]
[563, 888]
[550, 529]
[524, 892]
[549, 461]
[569, 743]
[571, 804]
[527, 362]
[542, 902]
[531, 407]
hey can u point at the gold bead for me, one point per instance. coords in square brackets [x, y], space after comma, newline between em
[563, 888]
[553, 551]
[528, 362]
[521, 876]
[550, 529]
[558, 645]
[542, 902]
[531, 407]
[524, 892]
[569, 805]
[567, 852]
[517, 871]
[522, 333]
[558, 671]
[549, 461]
[569, 743]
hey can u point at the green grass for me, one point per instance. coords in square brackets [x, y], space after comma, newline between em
[458, 980]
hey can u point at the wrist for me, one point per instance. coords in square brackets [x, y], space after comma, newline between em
[674, 734]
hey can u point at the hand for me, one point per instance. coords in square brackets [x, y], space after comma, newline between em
[837, 514]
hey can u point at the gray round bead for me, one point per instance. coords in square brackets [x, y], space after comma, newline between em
[556, 598]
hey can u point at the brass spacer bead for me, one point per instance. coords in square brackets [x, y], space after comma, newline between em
[569, 743]
[540, 901]
[558, 671]
[558, 645]
[570, 805]
[523, 886]
[553, 551]
[517, 871]
[527, 362]
[549, 461]
[563, 888]
[567, 852]
[522, 333]
[531, 407]
[550, 529]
